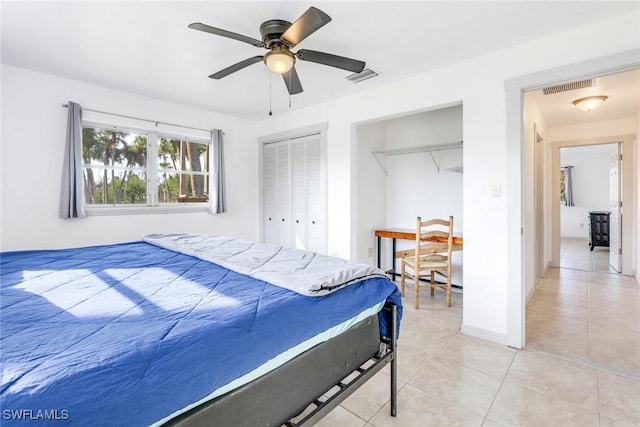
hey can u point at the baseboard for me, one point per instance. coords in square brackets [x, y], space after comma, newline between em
[529, 294]
[545, 269]
[484, 334]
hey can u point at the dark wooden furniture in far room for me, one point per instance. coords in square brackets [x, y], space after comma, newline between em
[599, 228]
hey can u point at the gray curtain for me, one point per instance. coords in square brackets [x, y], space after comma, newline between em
[71, 196]
[568, 186]
[218, 205]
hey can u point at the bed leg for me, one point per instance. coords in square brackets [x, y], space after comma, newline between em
[394, 362]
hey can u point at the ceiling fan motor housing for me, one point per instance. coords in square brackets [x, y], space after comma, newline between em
[272, 31]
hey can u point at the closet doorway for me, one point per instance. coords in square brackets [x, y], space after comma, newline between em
[408, 166]
[294, 190]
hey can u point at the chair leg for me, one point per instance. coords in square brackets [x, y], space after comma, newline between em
[402, 274]
[448, 292]
[416, 286]
[433, 289]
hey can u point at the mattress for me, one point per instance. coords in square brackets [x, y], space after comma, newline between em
[130, 334]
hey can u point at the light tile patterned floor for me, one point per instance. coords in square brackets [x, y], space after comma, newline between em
[576, 254]
[448, 379]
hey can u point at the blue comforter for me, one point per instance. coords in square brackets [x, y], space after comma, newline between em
[128, 334]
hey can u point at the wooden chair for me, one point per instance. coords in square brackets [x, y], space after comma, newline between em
[431, 256]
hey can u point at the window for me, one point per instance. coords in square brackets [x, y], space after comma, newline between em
[182, 171]
[125, 168]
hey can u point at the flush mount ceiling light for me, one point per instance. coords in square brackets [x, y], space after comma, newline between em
[590, 102]
[279, 60]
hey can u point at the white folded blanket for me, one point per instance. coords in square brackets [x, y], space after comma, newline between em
[304, 272]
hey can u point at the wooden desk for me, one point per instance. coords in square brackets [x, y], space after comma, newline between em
[405, 234]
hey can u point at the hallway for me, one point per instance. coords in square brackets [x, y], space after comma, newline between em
[589, 317]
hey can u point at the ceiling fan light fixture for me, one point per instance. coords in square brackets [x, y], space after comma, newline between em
[590, 102]
[279, 60]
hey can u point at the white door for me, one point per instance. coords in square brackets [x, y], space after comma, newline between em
[299, 194]
[307, 194]
[295, 193]
[615, 229]
[282, 215]
[316, 196]
[270, 193]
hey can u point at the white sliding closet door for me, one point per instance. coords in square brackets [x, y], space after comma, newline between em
[277, 216]
[295, 193]
[299, 194]
[270, 193]
[316, 197]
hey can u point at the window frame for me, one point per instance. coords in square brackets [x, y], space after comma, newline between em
[153, 206]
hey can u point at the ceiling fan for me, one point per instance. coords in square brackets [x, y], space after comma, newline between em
[279, 37]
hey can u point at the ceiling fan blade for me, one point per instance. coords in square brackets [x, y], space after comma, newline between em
[292, 81]
[236, 67]
[330, 60]
[308, 23]
[224, 33]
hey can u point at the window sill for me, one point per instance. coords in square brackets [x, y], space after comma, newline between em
[147, 210]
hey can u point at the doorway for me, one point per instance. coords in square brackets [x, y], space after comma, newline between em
[625, 220]
[582, 309]
[519, 249]
[589, 216]
[582, 306]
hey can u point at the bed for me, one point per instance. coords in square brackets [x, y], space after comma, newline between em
[189, 330]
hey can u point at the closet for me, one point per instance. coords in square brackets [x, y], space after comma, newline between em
[295, 193]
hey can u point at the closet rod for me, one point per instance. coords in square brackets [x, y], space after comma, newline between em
[140, 118]
[420, 149]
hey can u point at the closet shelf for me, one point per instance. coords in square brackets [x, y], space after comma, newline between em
[456, 169]
[420, 149]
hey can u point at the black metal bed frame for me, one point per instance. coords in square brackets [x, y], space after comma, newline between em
[300, 392]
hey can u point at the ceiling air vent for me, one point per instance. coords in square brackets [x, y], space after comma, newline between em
[365, 74]
[567, 86]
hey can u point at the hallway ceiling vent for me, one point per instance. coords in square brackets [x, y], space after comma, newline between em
[567, 87]
[365, 74]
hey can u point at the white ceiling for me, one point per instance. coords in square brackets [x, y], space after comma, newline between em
[145, 47]
[622, 90]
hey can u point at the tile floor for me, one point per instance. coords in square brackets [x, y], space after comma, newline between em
[448, 379]
[589, 317]
[575, 254]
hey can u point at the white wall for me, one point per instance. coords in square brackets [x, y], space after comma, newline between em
[370, 188]
[479, 84]
[623, 126]
[414, 185]
[591, 167]
[33, 135]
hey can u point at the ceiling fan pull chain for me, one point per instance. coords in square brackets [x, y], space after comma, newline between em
[268, 72]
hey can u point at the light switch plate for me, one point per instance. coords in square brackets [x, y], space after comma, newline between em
[496, 189]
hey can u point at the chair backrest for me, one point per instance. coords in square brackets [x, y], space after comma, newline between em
[434, 236]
